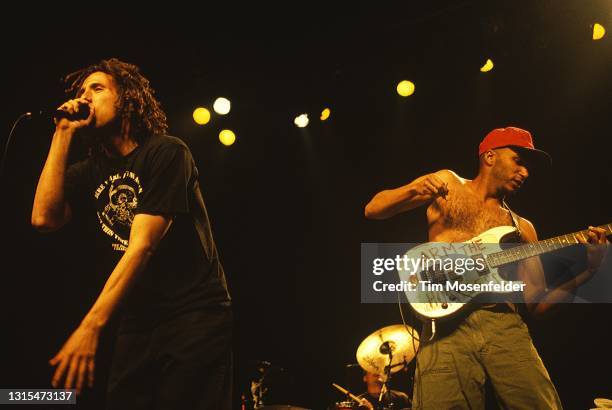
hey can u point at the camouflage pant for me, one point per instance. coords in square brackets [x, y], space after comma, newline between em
[488, 343]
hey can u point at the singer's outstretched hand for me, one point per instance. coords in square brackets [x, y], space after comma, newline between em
[76, 359]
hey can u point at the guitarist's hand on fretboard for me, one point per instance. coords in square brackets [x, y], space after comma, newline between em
[597, 247]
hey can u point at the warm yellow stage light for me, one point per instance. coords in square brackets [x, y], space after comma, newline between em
[488, 66]
[598, 31]
[201, 115]
[301, 120]
[405, 88]
[222, 106]
[325, 114]
[227, 137]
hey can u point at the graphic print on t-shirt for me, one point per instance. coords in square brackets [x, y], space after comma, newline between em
[117, 199]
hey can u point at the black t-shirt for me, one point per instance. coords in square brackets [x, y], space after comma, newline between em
[159, 177]
[393, 400]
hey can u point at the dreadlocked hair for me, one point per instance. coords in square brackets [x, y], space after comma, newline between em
[137, 103]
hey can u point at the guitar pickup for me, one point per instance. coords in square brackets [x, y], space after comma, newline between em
[481, 272]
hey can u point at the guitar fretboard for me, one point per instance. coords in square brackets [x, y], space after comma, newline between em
[537, 248]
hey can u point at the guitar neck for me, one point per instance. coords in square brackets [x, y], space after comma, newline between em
[528, 250]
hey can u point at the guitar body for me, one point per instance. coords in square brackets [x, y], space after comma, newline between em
[430, 303]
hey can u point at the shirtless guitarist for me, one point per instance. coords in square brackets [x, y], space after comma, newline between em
[491, 341]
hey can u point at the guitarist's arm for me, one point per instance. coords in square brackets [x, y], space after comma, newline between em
[421, 191]
[538, 297]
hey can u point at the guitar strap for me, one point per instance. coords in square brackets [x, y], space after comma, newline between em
[515, 219]
[515, 222]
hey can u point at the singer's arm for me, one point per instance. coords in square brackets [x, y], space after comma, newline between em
[51, 211]
[76, 359]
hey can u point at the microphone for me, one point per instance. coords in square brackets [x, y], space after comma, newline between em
[82, 114]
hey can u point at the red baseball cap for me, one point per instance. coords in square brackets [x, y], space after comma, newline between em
[510, 137]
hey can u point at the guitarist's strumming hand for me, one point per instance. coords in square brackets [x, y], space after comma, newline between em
[421, 191]
[597, 247]
[430, 187]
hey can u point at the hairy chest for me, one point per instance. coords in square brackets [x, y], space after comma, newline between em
[462, 211]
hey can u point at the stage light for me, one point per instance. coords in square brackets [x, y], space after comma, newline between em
[301, 120]
[222, 106]
[201, 115]
[227, 137]
[325, 114]
[598, 31]
[405, 88]
[488, 66]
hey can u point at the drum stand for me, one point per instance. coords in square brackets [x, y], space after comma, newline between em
[386, 348]
[258, 388]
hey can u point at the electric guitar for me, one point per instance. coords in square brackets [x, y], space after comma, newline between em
[439, 290]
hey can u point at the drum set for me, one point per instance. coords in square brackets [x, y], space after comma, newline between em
[383, 353]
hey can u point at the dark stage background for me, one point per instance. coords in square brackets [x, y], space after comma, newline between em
[287, 204]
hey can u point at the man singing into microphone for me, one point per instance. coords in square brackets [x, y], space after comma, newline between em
[173, 349]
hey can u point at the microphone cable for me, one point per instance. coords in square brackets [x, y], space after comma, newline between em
[27, 115]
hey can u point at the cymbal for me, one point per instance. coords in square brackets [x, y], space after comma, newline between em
[373, 352]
